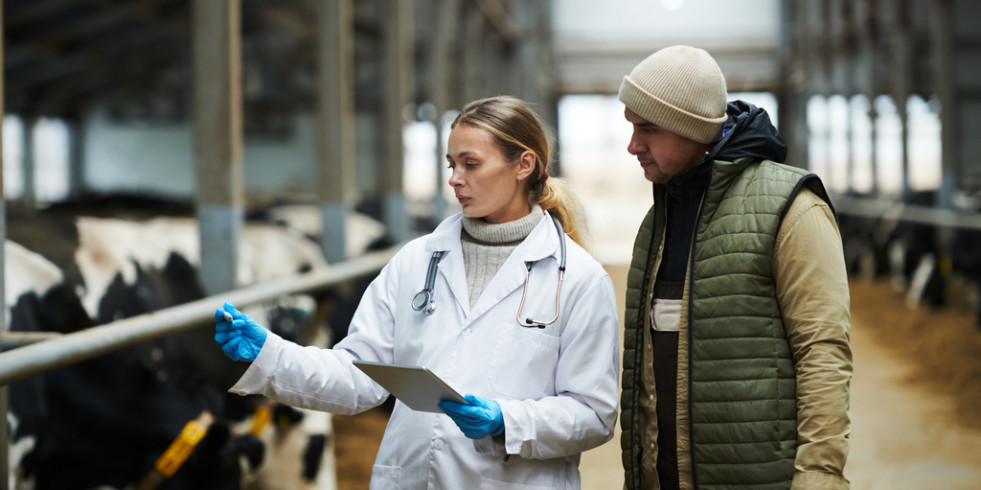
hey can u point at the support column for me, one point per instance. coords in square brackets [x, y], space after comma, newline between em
[943, 68]
[472, 53]
[444, 46]
[849, 145]
[29, 194]
[4, 328]
[335, 122]
[76, 158]
[533, 63]
[218, 138]
[943, 41]
[791, 100]
[874, 147]
[868, 37]
[903, 83]
[398, 86]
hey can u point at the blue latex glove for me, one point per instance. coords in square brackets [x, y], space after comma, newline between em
[239, 336]
[479, 418]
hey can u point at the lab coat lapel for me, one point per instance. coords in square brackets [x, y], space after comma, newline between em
[542, 242]
[446, 237]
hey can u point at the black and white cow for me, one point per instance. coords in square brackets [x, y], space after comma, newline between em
[105, 421]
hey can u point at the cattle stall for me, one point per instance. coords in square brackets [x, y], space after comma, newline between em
[933, 256]
[269, 138]
[129, 373]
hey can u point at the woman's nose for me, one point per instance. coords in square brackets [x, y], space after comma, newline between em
[456, 180]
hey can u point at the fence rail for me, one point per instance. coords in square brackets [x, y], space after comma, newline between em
[64, 350]
[897, 210]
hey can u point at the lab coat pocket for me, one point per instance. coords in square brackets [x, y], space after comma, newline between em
[524, 362]
[385, 477]
[488, 484]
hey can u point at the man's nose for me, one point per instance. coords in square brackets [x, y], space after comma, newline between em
[635, 147]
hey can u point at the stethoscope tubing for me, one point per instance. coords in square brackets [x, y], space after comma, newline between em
[425, 301]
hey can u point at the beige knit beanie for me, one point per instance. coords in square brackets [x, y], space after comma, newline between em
[680, 89]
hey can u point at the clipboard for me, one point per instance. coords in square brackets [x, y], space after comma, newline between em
[416, 386]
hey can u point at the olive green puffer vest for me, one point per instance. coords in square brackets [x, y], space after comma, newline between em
[742, 401]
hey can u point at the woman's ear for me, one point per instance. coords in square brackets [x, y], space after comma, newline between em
[526, 164]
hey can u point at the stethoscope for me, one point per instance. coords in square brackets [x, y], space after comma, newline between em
[425, 301]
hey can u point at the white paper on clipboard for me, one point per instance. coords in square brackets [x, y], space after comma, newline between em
[415, 386]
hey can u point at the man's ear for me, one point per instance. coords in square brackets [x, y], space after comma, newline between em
[526, 164]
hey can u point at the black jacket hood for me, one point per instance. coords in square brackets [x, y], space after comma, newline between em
[748, 132]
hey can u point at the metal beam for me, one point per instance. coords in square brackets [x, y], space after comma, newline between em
[218, 138]
[942, 33]
[34, 10]
[335, 121]
[497, 15]
[398, 53]
[28, 197]
[4, 390]
[93, 342]
[471, 63]
[443, 92]
[897, 210]
[902, 82]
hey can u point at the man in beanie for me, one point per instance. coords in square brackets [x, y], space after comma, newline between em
[736, 352]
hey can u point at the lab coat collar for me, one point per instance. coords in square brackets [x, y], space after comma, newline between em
[541, 243]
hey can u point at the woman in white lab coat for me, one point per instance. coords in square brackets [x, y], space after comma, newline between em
[540, 392]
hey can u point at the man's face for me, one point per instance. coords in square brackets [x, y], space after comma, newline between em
[661, 153]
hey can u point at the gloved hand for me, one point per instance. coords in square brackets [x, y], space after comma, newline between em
[239, 336]
[480, 418]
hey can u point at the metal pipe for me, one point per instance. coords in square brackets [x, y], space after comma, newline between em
[895, 210]
[13, 340]
[92, 342]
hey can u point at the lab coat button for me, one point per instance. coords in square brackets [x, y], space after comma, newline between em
[438, 445]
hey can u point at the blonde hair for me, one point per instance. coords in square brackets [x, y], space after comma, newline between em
[517, 129]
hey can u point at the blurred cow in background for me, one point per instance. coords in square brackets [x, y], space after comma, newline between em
[104, 422]
[921, 259]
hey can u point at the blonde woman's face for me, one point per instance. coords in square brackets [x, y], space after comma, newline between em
[485, 183]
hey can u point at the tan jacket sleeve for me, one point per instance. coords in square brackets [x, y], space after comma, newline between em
[812, 290]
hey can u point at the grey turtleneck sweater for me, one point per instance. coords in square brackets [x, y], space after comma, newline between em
[486, 246]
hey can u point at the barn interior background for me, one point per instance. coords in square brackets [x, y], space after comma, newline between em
[158, 154]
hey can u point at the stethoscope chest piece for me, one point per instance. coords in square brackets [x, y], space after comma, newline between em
[423, 301]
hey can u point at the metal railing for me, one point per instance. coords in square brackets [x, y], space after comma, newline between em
[897, 210]
[63, 350]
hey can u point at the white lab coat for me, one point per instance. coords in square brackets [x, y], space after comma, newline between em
[557, 386]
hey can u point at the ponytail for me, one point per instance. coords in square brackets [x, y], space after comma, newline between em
[555, 196]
